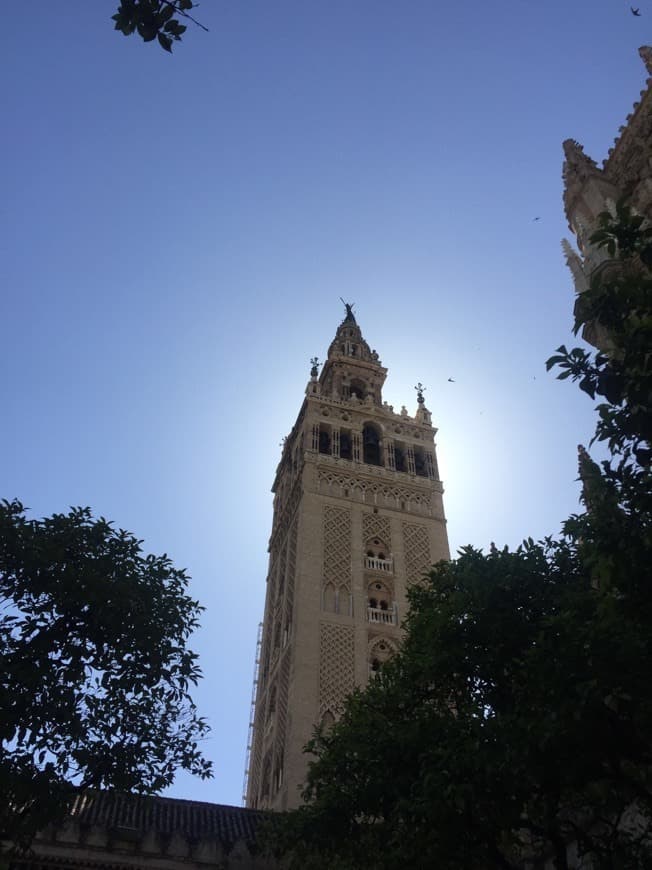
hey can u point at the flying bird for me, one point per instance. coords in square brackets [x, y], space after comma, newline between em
[636, 12]
[536, 219]
[451, 381]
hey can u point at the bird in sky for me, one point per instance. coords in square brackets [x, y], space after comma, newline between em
[636, 12]
[536, 219]
[451, 381]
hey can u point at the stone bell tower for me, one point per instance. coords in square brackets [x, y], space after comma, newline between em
[358, 516]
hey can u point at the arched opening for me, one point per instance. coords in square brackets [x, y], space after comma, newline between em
[327, 721]
[379, 596]
[420, 465]
[357, 389]
[324, 438]
[400, 457]
[375, 548]
[380, 652]
[371, 445]
[329, 599]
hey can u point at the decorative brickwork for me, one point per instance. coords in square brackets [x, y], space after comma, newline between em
[376, 526]
[417, 552]
[382, 648]
[336, 666]
[275, 660]
[282, 714]
[337, 546]
[375, 493]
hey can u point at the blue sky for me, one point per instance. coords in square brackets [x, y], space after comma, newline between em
[177, 231]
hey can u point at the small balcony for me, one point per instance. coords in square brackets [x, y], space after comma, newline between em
[382, 617]
[385, 566]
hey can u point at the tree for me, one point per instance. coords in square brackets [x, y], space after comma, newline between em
[95, 671]
[515, 723]
[155, 19]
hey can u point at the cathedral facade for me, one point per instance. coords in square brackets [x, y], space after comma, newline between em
[358, 516]
[589, 189]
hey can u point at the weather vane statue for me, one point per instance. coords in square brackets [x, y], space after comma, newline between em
[350, 316]
[420, 391]
[314, 370]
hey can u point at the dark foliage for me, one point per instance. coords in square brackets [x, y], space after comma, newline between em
[155, 19]
[95, 672]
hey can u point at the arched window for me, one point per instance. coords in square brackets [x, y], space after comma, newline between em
[376, 549]
[343, 603]
[420, 466]
[358, 389]
[330, 600]
[324, 438]
[379, 596]
[371, 446]
[380, 651]
[327, 721]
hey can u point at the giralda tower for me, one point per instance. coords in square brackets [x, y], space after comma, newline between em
[358, 516]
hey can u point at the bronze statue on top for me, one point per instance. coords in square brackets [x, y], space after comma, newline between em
[350, 316]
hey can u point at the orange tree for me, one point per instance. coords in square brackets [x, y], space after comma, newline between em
[95, 671]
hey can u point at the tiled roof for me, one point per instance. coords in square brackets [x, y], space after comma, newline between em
[193, 819]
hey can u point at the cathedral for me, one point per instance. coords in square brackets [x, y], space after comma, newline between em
[626, 174]
[358, 516]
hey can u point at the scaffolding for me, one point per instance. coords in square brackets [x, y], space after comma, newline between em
[252, 715]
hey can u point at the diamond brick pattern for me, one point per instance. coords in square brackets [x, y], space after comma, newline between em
[336, 666]
[417, 552]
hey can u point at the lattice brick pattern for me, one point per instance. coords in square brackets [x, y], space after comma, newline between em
[337, 546]
[336, 666]
[417, 552]
[284, 674]
[292, 563]
[375, 526]
[282, 702]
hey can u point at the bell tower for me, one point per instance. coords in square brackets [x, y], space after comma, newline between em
[358, 516]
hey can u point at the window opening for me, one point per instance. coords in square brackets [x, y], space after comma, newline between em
[371, 452]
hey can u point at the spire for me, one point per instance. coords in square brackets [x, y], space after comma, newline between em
[352, 369]
[577, 162]
[645, 52]
[349, 340]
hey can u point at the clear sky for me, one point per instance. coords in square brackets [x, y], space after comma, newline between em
[177, 231]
